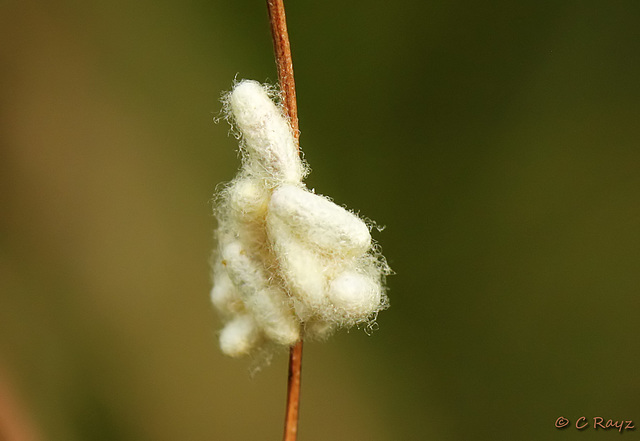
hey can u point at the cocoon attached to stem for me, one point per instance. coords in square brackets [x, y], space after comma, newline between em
[288, 260]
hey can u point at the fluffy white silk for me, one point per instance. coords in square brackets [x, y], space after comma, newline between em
[289, 261]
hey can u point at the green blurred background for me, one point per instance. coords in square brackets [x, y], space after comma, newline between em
[496, 140]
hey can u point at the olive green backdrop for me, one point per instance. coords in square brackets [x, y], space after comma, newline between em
[497, 141]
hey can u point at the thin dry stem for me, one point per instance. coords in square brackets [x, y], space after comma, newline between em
[293, 393]
[282, 50]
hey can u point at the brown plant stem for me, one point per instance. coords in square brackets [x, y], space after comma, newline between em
[293, 393]
[282, 50]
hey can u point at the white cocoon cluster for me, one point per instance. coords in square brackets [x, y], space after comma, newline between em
[288, 260]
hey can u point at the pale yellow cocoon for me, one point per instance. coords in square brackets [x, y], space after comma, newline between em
[289, 262]
[239, 336]
[353, 293]
[224, 295]
[319, 222]
[270, 147]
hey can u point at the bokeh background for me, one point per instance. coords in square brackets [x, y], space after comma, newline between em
[498, 142]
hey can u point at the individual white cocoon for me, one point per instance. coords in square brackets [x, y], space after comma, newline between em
[239, 336]
[274, 315]
[302, 270]
[270, 147]
[319, 222]
[355, 295]
[224, 294]
[268, 304]
[246, 275]
[248, 199]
